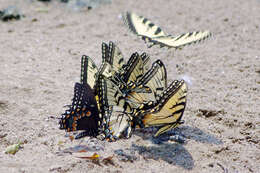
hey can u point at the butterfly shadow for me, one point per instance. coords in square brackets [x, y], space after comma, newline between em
[170, 152]
[173, 153]
[194, 133]
[187, 132]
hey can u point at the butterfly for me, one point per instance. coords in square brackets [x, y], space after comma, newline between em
[121, 72]
[154, 35]
[113, 80]
[83, 113]
[114, 109]
[150, 85]
[166, 112]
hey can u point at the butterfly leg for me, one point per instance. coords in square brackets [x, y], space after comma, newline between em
[128, 132]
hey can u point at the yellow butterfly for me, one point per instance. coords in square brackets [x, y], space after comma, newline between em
[154, 35]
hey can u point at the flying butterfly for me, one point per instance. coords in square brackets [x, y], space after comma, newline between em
[166, 112]
[154, 35]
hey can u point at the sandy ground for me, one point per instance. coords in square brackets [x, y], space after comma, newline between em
[40, 62]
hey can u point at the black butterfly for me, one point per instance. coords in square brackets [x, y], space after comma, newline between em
[83, 113]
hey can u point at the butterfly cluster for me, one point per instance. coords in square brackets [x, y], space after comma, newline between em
[111, 101]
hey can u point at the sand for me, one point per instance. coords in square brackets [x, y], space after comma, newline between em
[40, 62]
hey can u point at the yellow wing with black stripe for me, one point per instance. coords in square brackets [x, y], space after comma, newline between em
[88, 74]
[142, 26]
[178, 41]
[154, 35]
[155, 78]
[112, 59]
[114, 109]
[167, 112]
[135, 68]
[115, 57]
[150, 86]
[114, 77]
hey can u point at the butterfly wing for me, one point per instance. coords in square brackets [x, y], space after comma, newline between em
[83, 113]
[115, 57]
[133, 70]
[150, 86]
[112, 60]
[180, 40]
[115, 65]
[154, 35]
[142, 26]
[113, 108]
[89, 71]
[167, 112]
[155, 78]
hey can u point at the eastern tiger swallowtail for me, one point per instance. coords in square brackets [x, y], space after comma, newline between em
[112, 60]
[154, 35]
[123, 86]
[150, 86]
[114, 109]
[89, 71]
[117, 103]
[167, 111]
[83, 114]
[112, 105]
[114, 77]
[126, 73]
[123, 73]
[138, 87]
[135, 68]
[86, 93]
